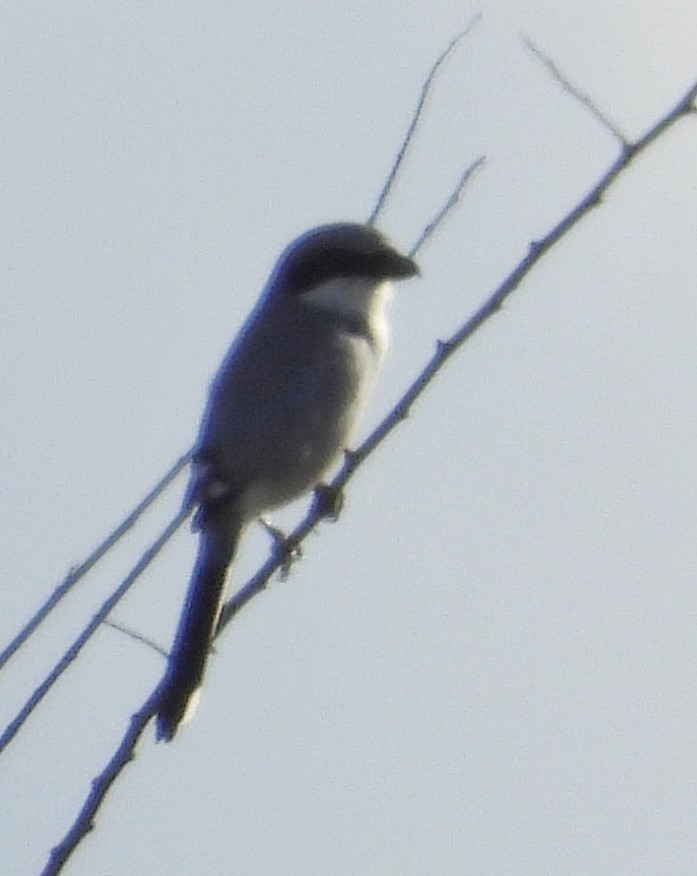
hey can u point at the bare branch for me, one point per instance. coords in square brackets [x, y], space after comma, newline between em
[571, 89]
[90, 629]
[84, 823]
[447, 207]
[416, 118]
[72, 579]
[137, 637]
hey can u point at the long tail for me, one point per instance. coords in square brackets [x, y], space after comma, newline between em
[187, 659]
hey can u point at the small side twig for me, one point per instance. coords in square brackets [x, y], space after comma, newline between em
[447, 207]
[137, 637]
[580, 96]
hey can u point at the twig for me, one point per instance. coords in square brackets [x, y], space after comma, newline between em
[90, 629]
[137, 637]
[582, 98]
[123, 755]
[416, 118]
[71, 580]
[447, 207]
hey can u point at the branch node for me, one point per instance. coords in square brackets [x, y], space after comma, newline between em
[286, 553]
[402, 412]
[329, 502]
[629, 150]
[352, 459]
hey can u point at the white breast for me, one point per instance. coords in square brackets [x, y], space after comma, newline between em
[362, 298]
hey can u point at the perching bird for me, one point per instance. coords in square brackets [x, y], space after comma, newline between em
[281, 410]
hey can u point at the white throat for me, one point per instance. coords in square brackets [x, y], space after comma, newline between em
[362, 298]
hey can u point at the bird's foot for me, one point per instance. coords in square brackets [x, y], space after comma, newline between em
[286, 550]
[276, 533]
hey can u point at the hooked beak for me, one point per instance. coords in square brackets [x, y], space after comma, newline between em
[402, 266]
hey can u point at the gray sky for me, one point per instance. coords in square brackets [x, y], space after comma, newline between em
[487, 667]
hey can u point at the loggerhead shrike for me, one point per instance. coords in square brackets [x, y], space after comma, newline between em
[281, 410]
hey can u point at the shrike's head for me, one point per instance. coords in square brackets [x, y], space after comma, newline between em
[342, 269]
[340, 250]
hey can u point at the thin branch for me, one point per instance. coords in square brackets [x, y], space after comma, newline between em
[84, 821]
[72, 579]
[137, 637]
[90, 629]
[101, 785]
[571, 89]
[447, 207]
[416, 118]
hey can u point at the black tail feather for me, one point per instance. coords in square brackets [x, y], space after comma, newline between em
[189, 653]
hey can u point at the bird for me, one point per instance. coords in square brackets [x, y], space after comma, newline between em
[281, 411]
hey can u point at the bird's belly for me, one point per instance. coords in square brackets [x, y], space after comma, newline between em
[297, 461]
[316, 429]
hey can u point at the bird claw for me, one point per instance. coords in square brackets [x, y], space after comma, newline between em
[276, 533]
[285, 549]
[287, 552]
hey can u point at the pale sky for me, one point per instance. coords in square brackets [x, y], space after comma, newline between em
[487, 666]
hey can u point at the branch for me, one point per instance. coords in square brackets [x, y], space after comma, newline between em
[90, 629]
[416, 118]
[571, 89]
[123, 755]
[71, 580]
[447, 207]
[137, 637]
